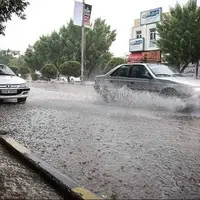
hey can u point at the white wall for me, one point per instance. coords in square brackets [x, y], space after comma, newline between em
[147, 38]
[146, 35]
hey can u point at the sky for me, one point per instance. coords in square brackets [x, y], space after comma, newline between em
[45, 16]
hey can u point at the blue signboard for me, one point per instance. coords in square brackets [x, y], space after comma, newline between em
[150, 16]
[136, 44]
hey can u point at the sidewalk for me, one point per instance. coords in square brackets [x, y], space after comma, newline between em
[19, 182]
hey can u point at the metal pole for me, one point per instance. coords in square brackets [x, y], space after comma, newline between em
[82, 44]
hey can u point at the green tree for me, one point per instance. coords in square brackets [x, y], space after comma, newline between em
[180, 34]
[14, 69]
[70, 68]
[98, 42]
[33, 59]
[70, 36]
[17, 62]
[10, 7]
[115, 61]
[49, 71]
[6, 56]
[65, 45]
[24, 71]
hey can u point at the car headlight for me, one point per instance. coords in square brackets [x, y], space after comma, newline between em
[24, 85]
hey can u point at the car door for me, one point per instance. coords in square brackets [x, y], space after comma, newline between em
[140, 78]
[118, 78]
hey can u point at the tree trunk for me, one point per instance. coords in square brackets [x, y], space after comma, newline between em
[68, 79]
[58, 76]
[183, 68]
[197, 69]
[88, 75]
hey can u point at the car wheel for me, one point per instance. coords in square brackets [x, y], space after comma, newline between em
[169, 92]
[21, 100]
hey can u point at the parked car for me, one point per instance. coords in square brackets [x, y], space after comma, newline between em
[12, 86]
[74, 79]
[69, 79]
[63, 79]
[157, 78]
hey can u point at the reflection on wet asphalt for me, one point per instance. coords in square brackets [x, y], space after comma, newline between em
[137, 148]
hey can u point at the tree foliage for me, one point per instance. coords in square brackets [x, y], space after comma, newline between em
[10, 7]
[17, 62]
[49, 71]
[65, 45]
[34, 76]
[70, 68]
[14, 69]
[115, 61]
[24, 71]
[180, 34]
[7, 55]
[33, 59]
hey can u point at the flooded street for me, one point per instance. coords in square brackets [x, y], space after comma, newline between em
[140, 147]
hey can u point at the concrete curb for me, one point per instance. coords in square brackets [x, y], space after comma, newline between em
[67, 187]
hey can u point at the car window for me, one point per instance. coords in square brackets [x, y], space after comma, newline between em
[164, 70]
[4, 70]
[138, 71]
[122, 71]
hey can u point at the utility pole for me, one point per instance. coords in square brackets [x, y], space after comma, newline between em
[82, 44]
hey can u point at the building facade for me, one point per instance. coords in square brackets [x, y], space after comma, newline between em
[144, 36]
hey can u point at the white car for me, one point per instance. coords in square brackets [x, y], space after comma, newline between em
[63, 79]
[74, 79]
[12, 86]
[71, 78]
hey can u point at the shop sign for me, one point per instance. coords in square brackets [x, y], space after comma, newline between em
[152, 56]
[136, 44]
[150, 16]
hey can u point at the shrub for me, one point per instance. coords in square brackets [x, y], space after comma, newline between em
[49, 71]
[34, 76]
[24, 71]
[115, 61]
[70, 68]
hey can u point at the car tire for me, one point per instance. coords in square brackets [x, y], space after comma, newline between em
[169, 92]
[21, 100]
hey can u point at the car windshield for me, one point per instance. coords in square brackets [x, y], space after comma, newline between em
[4, 70]
[163, 70]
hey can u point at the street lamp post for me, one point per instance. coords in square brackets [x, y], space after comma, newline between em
[82, 44]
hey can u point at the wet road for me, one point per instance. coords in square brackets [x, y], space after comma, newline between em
[139, 148]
